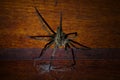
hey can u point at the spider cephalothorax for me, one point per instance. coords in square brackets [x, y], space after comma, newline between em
[58, 38]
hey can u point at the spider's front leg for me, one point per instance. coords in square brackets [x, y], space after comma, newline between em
[46, 38]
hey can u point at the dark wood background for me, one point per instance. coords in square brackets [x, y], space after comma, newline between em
[96, 21]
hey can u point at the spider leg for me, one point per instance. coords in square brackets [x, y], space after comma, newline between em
[43, 50]
[60, 22]
[46, 47]
[79, 44]
[71, 35]
[52, 56]
[43, 21]
[67, 47]
[73, 55]
[75, 33]
[40, 37]
[72, 45]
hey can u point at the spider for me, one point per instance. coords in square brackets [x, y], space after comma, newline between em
[59, 38]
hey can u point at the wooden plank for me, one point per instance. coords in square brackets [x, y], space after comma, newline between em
[96, 21]
[85, 70]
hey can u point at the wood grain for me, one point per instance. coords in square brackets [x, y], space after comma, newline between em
[85, 70]
[96, 21]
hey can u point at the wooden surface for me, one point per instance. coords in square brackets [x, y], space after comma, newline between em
[96, 21]
[85, 70]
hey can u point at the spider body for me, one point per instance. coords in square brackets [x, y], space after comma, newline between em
[58, 38]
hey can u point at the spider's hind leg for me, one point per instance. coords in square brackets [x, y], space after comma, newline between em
[83, 46]
[73, 56]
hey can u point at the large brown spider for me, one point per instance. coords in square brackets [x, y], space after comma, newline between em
[59, 38]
